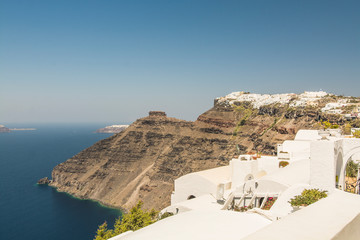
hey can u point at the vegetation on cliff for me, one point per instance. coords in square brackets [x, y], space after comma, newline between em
[137, 218]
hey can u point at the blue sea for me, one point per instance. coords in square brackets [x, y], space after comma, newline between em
[30, 211]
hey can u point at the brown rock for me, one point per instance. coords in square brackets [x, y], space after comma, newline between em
[44, 180]
[157, 114]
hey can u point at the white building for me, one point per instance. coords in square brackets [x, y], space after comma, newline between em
[202, 201]
[335, 107]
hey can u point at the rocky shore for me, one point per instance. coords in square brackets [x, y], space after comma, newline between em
[44, 181]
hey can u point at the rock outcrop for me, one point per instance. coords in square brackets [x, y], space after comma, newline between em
[44, 181]
[142, 161]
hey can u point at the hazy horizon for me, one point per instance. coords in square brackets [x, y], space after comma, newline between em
[113, 62]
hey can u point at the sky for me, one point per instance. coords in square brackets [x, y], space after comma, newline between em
[113, 61]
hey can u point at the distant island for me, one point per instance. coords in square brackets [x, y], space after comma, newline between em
[4, 129]
[22, 129]
[112, 129]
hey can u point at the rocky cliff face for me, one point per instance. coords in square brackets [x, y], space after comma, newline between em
[143, 161]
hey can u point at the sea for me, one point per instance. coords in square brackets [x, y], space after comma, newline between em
[30, 211]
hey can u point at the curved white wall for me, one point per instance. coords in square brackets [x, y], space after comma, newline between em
[192, 184]
[269, 186]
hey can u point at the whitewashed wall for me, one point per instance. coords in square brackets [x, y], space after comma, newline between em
[192, 184]
[268, 164]
[298, 149]
[241, 169]
[322, 167]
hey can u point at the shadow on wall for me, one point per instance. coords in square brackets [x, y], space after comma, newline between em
[191, 197]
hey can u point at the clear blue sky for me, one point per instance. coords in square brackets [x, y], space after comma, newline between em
[113, 61]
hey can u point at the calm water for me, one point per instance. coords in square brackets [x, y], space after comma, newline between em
[29, 211]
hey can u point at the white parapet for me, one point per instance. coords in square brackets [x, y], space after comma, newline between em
[322, 167]
[242, 171]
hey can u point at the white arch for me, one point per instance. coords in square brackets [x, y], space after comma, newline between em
[346, 159]
[339, 160]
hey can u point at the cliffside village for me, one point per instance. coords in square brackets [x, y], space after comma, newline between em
[343, 106]
[251, 197]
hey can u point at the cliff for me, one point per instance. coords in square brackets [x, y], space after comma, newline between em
[142, 161]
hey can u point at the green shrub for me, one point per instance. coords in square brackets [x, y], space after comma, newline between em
[356, 133]
[307, 197]
[326, 124]
[134, 220]
[352, 169]
[103, 232]
[165, 215]
[246, 113]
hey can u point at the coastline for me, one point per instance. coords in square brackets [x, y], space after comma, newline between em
[32, 155]
[23, 129]
[100, 203]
